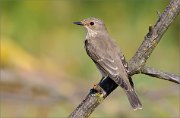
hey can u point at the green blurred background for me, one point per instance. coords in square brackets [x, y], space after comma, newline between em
[45, 71]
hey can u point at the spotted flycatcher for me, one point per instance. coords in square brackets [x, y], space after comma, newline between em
[108, 58]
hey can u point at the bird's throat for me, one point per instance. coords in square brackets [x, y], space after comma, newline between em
[91, 33]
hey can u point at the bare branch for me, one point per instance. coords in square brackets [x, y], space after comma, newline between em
[153, 37]
[94, 98]
[159, 74]
[137, 62]
[85, 108]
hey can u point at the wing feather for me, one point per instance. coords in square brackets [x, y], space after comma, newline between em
[113, 67]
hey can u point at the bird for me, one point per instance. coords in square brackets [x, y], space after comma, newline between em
[108, 57]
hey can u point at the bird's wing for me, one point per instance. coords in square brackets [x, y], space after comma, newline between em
[116, 72]
[113, 67]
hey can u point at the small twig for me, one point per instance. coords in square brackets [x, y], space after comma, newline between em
[161, 75]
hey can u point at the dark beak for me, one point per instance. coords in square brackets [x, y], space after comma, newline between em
[78, 23]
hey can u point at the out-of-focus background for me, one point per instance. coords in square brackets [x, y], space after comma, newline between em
[45, 71]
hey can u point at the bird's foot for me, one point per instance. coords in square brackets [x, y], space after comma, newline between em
[97, 91]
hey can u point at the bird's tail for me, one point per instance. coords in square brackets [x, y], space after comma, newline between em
[133, 99]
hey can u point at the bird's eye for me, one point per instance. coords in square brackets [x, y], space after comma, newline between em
[91, 23]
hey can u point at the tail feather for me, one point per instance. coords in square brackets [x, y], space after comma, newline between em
[133, 99]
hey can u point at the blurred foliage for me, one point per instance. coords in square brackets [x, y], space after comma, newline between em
[45, 71]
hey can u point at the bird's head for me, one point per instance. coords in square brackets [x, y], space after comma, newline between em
[92, 24]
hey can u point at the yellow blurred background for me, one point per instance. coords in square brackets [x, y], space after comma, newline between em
[45, 71]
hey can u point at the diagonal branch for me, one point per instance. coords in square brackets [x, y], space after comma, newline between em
[136, 64]
[94, 98]
[153, 37]
[159, 74]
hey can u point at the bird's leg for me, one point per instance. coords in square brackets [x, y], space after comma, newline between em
[97, 89]
[102, 79]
